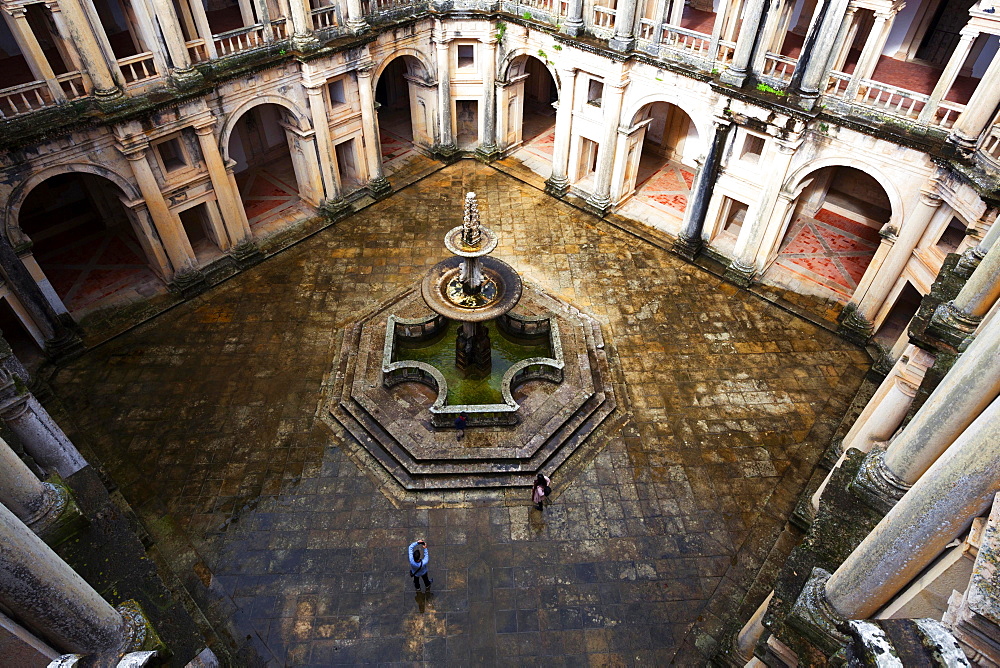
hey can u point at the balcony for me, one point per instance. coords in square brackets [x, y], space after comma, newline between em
[35, 95]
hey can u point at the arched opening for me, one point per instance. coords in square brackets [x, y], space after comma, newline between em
[660, 163]
[892, 331]
[395, 115]
[84, 240]
[266, 174]
[530, 117]
[833, 234]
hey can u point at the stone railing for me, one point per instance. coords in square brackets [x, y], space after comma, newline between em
[18, 100]
[603, 20]
[891, 100]
[197, 51]
[377, 11]
[241, 39]
[326, 18]
[73, 85]
[138, 69]
[989, 148]
[549, 11]
[681, 39]
[777, 68]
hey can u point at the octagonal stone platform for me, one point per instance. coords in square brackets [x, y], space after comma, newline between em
[394, 424]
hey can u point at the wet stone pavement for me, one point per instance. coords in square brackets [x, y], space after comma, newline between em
[207, 417]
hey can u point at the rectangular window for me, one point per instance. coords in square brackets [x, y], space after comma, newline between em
[466, 56]
[337, 95]
[171, 154]
[753, 148]
[952, 236]
[595, 91]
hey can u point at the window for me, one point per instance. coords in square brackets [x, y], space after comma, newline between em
[336, 89]
[466, 56]
[595, 91]
[753, 148]
[952, 236]
[171, 154]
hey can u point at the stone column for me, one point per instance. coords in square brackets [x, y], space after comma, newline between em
[955, 320]
[355, 17]
[612, 107]
[40, 505]
[43, 592]
[324, 145]
[558, 183]
[848, 31]
[750, 634]
[871, 299]
[980, 110]
[32, 52]
[168, 227]
[960, 486]
[173, 38]
[574, 18]
[821, 43]
[971, 384]
[950, 73]
[488, 146]
[446, 142]
[744, 266]
[302, 35]
[378, 185]
[736, 73]
[624, 37]
[105, 87]
[870, 52]
[204, 28]
[689, 241]
[41, 436]
[234, 216]
[885, 411]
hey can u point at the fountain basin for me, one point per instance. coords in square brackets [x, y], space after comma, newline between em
[439, 286]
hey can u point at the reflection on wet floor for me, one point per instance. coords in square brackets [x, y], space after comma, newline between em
[206, 418]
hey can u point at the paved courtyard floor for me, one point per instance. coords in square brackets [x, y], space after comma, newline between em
[207, 418]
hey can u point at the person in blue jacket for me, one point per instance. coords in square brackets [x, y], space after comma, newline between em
[419, 558]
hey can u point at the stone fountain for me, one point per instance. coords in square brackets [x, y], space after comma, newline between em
[471, 288]
[398, 382]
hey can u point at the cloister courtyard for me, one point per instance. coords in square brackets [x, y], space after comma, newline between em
[659, 539]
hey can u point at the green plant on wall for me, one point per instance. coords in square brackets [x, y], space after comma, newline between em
[526, 16]
[501, 30]
[763, 87]
[557, 47]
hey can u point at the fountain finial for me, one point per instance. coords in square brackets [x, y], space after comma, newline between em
[471, 227]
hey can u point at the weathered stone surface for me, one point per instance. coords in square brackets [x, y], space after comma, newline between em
[206, 417]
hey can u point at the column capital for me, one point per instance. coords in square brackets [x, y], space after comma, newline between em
[205, 127]
[442, 42]
[366, 71]
[18, 12]
[53, 6]
[930, 198]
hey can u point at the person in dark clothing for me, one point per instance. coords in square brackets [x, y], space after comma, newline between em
[460, 423]
[418, 563]
[540, 489]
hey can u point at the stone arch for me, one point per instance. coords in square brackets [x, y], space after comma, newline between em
[797, 181]
[411, 55]
[13, 209]
[701, 121]
[299, 116]
[514, 59]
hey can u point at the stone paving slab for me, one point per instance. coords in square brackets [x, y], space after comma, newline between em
[206, 418]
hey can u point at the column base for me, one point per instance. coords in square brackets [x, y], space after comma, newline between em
[64, 346]
[335, 209]
[573, 28]
[740, 274]
[488, 152]
[687, 248]
[110, 99]
[732, 77]
[808, 100]
[357, 27]
[952, 326]
[60, 518]
[446, 153]
[621, 43]
[186, 79]
[379, 188]
[814, 617]
[964, 144]
[969, 261]
[138, 634]
[854, 327]
[189, 283]
[876, 484]
[246, 254]
[598, 205]
[557, 186]
[305, 43]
